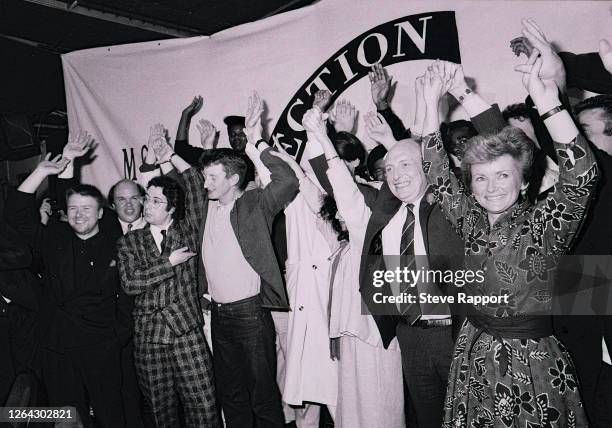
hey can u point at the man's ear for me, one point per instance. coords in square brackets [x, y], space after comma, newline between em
[171, 210]
[100, 213]
[234, 179]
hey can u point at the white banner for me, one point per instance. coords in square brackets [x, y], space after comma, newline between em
[117, 92]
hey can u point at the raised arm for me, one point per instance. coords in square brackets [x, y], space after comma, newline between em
[380, 88]
[344, 116]
[379, 130]
[349, 199]
[449, 192]
[254, 133]
[309, 191]
[21, 211]
[190, 153]
[564, 208]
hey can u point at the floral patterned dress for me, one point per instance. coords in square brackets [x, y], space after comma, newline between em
[518, 255]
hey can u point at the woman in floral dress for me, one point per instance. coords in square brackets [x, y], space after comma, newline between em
[508, 369]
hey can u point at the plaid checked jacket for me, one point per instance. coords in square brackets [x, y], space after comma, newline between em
[167, 302]
[251, 219]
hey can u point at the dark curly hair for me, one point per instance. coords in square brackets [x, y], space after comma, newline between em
[517, 110]
[328, 213]
[231, 161]
[173, 192]
[603, 102]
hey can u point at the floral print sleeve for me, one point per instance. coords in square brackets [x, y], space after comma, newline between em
[447, 188]
[556, 219]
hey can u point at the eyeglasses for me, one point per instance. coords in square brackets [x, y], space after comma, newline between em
[154, 201]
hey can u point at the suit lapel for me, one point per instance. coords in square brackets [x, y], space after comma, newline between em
[149, 243]
[424, 212]
[385, 207]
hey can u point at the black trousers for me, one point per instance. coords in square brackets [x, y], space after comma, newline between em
[244, 355]
[426, 361]
[602, 407]
[84, 377]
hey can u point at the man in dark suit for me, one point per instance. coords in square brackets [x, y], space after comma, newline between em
[402, 210]
[403, 223]
[80, 353]
[157, 266]
[589, 337]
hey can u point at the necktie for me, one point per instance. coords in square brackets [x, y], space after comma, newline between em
[163, 241]
[408, 260]
[407, 243]
[130, 226]
[422, 286]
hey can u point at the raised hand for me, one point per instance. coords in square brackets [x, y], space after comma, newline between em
[380, 86]
[252, 120]
[321, 100]
[53, 166]
[77, 145]
[552, 66]
[208, 133]
[378, 128]
[605, 53]
[180, 255]
[313, 121]
[446, 71]
[543, 92]
[194, 107]
[433, 88]
[344, 116]
[254, 110]
[158, 143]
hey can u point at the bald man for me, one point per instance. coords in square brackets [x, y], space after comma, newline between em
[125, 198]
[403, 221]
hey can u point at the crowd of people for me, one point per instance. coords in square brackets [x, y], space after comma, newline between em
[239, 287]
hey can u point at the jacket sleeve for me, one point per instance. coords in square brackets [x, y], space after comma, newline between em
[448, 190]
[395, 123]
[21, 213]
[586, 71]
[138, 276]
[283, 184]
[189, 153]
[489, 121]
[195, 194]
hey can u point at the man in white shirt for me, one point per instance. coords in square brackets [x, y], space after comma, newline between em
[403, 223]
[125, 198]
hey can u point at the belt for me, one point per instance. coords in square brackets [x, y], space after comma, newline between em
[421, 323]
[517, 327]
[444, 322]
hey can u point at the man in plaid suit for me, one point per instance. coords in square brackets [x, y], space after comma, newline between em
[157, 266]
[238, 267]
